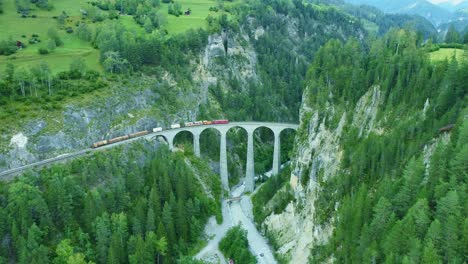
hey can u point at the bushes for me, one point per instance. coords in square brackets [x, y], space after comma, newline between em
[43, 51]
[175, 9]
[53, 34]
[235, 246]
[7, 47]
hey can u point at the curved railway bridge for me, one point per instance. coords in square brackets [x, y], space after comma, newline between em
[169, 136]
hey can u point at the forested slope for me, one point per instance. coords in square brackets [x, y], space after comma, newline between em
[132, 204]
[374, 177]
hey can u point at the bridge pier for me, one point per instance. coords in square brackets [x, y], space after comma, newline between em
[249, 168]
[170, 141]
[250, 128]
[276, 153]
[196, 144]
[223, 169]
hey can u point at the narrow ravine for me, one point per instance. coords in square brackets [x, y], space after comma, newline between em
[234, 213]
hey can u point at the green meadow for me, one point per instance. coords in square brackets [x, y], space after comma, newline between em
[197, 18]
[447, 53]
[13, 26]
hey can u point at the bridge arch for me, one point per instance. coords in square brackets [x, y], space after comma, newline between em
[286, 138]
[208, 137]
[236, 136]
[184, 139]
[263, 156]
[159, 137]
[234, 127]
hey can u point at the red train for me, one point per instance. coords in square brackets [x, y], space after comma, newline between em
[221, 121]
[155, 130]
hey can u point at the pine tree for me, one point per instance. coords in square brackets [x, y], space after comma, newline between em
[452, 36]
[118, 240]
[169, 228]
[430, 255]
[150, 221]
[103, 233]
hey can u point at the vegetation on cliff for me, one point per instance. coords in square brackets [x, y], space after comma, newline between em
[389, 203]
[122, 206]
[236, 247]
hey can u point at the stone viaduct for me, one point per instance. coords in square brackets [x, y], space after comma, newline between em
[250, 128]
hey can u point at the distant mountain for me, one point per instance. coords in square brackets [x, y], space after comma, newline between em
[434, 13]
[454, 7]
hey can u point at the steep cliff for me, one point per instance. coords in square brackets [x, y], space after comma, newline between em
[318, 157]
[356, 154]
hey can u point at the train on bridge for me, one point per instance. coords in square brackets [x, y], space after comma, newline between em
[157, 129]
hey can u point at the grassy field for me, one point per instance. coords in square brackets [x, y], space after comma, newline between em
[18, 28]
[199, 12]
[13, 26]
[445, 53]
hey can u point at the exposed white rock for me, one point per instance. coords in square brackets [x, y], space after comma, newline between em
[259, 32]
[319, 153]
[426, 107]
[19, 140]
[366, 110]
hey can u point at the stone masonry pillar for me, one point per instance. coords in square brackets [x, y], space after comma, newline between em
[250, 169]
[196, 144]
[170, 141]
[276, 153]
[223, 170]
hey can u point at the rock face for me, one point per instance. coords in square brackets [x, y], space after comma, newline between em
[125, 110]
[318, 157]
[80, 126]
[226, 56]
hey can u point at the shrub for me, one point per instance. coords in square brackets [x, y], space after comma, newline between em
[43, 51]
[7, 47]
[235, 246]
[92, 75]
[53, 34]
[69, 30]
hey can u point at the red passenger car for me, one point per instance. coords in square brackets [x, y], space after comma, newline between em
[221, 121]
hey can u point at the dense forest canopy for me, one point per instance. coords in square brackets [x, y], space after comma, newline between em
[395, 206]
[130, 205]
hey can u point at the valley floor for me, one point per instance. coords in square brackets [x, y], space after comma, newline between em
[234, 213]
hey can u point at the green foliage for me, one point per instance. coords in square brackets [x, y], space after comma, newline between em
[84, 32]
[396, 205]
[282, 58]
[236, 247]
[53, 34]
[43, 51]
[175, 9]
[111, 207]
[273, 196]
[452, 36]
[124, 49]
[7, 47]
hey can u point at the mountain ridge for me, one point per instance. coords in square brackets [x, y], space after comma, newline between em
[436, 13]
